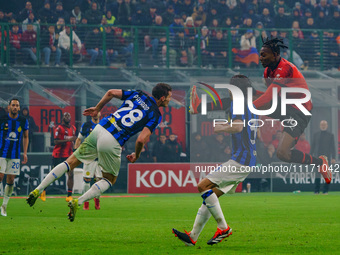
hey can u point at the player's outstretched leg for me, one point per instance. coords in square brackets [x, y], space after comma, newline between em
[220, 235]
[32, 197]
[73, 204]
[184, 237]
[194, 101]
[324, 169]
[3, 210]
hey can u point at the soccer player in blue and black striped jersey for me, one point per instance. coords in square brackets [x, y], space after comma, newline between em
[13, 130]
[138, 113]
[228, 175]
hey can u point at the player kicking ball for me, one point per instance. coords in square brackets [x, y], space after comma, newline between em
[220, 181]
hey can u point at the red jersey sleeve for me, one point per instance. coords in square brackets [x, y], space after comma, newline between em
[58, 133]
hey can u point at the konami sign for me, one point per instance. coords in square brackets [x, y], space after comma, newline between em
[163, 178]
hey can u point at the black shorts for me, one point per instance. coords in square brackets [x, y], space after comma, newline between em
[301, 122]
[57, 161]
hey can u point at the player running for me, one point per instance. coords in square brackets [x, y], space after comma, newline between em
[139, 112]
[280, 73]
[220, 181]
[92, 169]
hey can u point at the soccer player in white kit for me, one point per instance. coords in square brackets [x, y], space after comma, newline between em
[92, 169]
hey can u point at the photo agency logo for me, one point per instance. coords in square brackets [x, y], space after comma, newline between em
[239, 104]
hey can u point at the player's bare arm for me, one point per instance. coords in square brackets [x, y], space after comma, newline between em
[141, 140]
[25, 146]
[237, 127]
[112, 93]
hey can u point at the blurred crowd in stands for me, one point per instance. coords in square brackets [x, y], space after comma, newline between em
[211, 29]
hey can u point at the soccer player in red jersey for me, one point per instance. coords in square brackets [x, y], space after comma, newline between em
[281, 73]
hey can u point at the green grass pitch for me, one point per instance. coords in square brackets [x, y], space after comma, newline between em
[263, 223]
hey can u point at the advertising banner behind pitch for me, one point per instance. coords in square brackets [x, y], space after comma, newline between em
[163, 178]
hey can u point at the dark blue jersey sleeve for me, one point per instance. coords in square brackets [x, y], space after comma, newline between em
[127, 93]
[154, 121]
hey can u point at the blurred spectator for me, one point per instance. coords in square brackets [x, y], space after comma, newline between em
[181, 50]
[199, 14]
[45, 14]
[281, 4]
[228, 23]
[334, 21]
[281, 20]
[168, 16]
[174, 149]
[176, 25]
[296, 15]
[330, 51]
[109, 17]
[152, 14]
[266, 19]
[159, 151]
[156, 38]
[248, 54]
[248, 24]
[82, 29]
[187, 7]
[307, 15]
[14, 40]
[60, 25]
[223, 8]
[190, 31]
[64, 44]
[49, 43]
[321, 21]
[312, 49]
[298, 8]
[307, 6]
[251, 14]
[334, 7]
[76, 12]
[177, 4]
[32, 126]
[212, 15]
[144, 6]
[219, 148]
[218, 50]
[28, 45]
[122, 48]
[109, 40]
[60, 12]
[323, 144]
[93, 44]
[296, 27]
[125, 12]
[302, 144]
[199, 149]
[204, 44]
[93, 15]
[23, 14]
[30, 20]
[243, 6]
[3, 18]
[322, 6]
[198, 22]
[298, 46]
[285, 53]
[268, 5]
[309, 25]
[214, 27]
[259, 33]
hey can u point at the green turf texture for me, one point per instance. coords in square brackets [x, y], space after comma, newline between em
[262, 223]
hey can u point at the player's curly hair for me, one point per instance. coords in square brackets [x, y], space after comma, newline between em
[274, 44]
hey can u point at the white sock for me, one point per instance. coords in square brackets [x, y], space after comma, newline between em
[96, 190]
[7, 193]
[202, 217]
[52, 176]
[214, 208]
[87, 186]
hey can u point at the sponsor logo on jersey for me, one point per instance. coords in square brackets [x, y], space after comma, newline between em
[12, 136]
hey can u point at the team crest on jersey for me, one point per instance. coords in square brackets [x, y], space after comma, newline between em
[19, 129]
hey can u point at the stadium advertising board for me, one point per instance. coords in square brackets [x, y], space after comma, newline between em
[184, 177]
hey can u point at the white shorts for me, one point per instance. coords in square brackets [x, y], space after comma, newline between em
[102, 145]
[92, 169]
[228, 176]
[10, 166]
